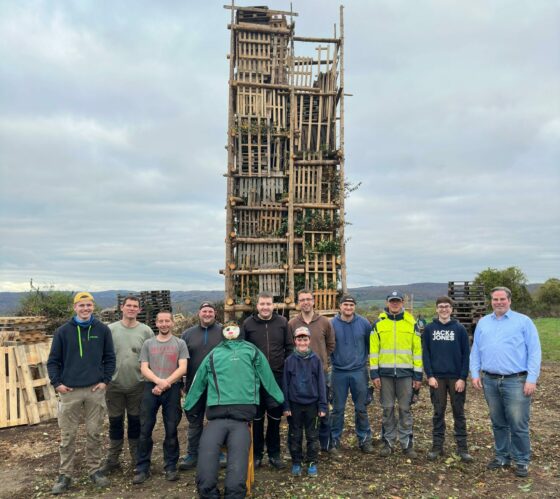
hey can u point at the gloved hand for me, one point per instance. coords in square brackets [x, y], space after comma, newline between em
[369, 397]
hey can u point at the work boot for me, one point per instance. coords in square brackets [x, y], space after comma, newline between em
[189, 462]
[434, 454]
[334, 449]
[140, 477]
[111, 462]
[171, 475]
[366, 446]
[465, 457]
[99, 479]
[496, 464]
[277, 462]
[61, 485]
[385, 450]
[410, 453]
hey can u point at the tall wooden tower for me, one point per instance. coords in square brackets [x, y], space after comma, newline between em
[285, 172]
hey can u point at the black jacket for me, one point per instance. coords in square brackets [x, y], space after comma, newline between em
[200, 341]
[271, 337]
[81, 355]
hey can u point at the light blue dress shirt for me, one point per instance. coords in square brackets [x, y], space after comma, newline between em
[506, 345]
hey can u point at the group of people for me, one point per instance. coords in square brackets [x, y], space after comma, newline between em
[239, 378]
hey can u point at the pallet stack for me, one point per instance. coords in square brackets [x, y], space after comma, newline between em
[285, 189]
[26, 395]
[470, 302]
[151, 302]
[24, 329]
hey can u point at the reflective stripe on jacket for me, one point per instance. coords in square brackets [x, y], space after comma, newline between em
[395, 347]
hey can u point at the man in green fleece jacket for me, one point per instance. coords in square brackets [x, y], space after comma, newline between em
[232, 374]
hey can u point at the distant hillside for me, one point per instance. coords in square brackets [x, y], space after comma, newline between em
[188, 301]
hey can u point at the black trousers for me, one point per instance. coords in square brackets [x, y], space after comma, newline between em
[439, 402]
[303, 419]
[273, 427]
[236, 436]
[195, 417]
[170, 401]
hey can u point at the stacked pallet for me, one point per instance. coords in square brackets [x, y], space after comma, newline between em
[26, 395]
[285, 190]
[151, 303]
[469, 302]
[25, 329]
[108, 315]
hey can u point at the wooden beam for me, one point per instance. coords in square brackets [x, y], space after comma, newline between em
[262, 10]
[261, 28]
[316, 40]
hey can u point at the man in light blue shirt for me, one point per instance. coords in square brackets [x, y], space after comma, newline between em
[507, 352]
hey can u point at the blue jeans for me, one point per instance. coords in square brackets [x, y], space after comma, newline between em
[170, 402]
[357, 383]
[510, 412]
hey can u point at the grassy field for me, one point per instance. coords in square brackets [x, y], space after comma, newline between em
[549, 332]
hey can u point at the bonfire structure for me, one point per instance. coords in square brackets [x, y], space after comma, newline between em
[285, 171]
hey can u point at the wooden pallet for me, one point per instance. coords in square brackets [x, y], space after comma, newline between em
[38, 394]
[12, 405]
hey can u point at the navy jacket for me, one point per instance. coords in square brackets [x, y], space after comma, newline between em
[304, 381]
[445, 350]
[81, 356]
[351, 349]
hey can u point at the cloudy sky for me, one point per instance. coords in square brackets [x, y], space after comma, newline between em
[113, 124]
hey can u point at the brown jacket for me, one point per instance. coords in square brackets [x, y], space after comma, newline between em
[322, 335]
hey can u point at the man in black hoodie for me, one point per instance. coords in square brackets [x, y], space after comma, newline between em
[269, 332]
[200, 341]
[81, 364]
[445, 355]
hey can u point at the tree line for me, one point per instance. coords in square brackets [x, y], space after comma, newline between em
[545, 302]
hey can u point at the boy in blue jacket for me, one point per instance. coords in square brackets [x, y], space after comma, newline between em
[305, 401]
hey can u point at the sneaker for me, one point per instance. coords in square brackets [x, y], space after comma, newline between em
[61, 485]
[99, 479]
[410, 453]
[434, 454]
[277, 462]
[312, 470]
[171, 475]
[188, 462]
[385, 451]
[140, 477]
[521, 470]
[496, 464]
[223, 460]
[296, 469]
[466, 457]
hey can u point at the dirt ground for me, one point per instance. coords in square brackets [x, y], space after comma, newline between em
[30, 459]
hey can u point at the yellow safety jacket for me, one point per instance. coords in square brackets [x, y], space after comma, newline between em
[395, 347]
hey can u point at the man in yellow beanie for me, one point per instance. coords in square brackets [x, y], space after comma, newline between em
[81, 363]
